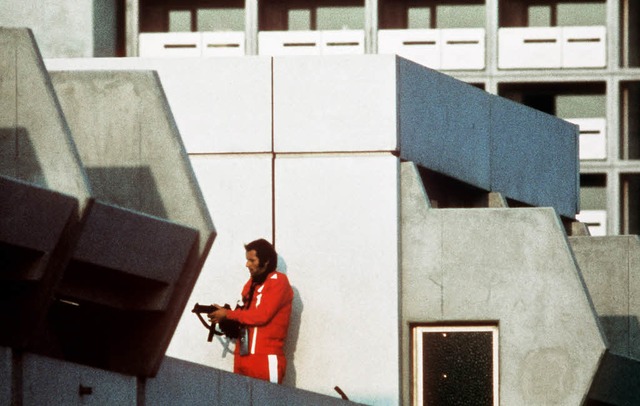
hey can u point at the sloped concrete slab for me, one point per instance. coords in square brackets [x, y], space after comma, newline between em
[35, 143]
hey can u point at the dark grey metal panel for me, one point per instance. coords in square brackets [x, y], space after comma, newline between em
[444, 124]
[534, 157]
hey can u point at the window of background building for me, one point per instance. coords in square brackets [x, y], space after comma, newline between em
[630, 120]
[220, 19]
[456, 365]
[547, 13]
[630, 38]
[593, 192]
[196, 15]
[630, 202]
[340, 18]
[562, 99]
[581, 106]
[310, 15]
[399, 14]
[593, 203]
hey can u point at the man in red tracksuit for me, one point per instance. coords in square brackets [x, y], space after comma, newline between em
[265, 312]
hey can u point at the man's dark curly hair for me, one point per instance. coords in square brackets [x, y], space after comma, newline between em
[265, 252]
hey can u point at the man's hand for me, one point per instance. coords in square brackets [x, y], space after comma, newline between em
[217, 315]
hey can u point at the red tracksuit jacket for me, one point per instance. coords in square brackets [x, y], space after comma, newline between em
[267, 317]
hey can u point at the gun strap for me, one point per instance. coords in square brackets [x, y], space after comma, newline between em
[211, 327]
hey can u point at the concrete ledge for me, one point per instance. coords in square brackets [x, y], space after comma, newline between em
[184, 383]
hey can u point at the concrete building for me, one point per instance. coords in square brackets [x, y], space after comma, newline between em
[574, 59]
[425, 221]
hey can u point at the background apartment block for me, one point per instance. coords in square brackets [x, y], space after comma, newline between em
[579, 60]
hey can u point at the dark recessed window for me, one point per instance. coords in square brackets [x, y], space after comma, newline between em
[456, 365]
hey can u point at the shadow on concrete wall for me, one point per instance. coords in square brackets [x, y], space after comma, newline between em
[18, 158]
[294, 328]
[618, 331]
[447, 192]
[133, 188]
[292, 338]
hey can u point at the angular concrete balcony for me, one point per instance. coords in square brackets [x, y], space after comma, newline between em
[99, 159]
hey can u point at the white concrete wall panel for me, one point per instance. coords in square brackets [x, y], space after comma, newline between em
[223, 43]
[170, 44]
[342, 42]
[593, 137]
[595, 220]
[584, 47]
[434, 134]
[422, 46]
[237, 190]
[337, 230]
[344, 103]
[529, 47]
[53, 382]
[534, 157]
[219, 104]
[513, 266]
[279, 43]
[462, 48]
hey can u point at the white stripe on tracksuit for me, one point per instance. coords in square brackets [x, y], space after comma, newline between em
[273, 368]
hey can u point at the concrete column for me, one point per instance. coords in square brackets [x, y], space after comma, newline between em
[132, 26]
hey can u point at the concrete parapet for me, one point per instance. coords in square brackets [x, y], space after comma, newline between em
[50, 381]
[496, 144]
[610, 267]
[511, 267]
[184, 383]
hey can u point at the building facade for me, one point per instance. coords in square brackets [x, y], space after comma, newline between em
[578, 60]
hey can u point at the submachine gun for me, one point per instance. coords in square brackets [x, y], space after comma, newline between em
[229, 328]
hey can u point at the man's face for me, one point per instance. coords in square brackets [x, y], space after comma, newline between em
[253, 264]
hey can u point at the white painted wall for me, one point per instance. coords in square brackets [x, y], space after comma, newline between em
[337, 229]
